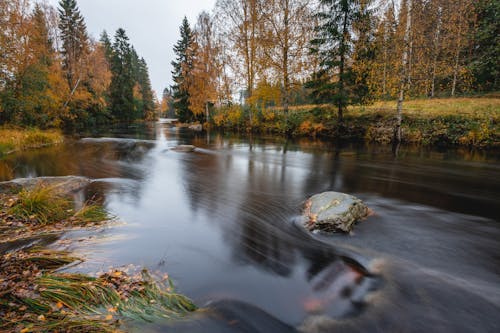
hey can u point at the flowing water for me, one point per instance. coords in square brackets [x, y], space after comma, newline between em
[221, 222]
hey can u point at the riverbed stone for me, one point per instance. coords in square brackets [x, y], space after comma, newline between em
[333, 212]
[61, 185]
[184, 148]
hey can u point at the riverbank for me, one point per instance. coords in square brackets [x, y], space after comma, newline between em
[16, 139]
[35, 296]
[470, 122]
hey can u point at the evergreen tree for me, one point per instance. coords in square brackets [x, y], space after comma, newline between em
[333, 45]
[148, 104]
[122, 81]
[363, 58]
[182, 69]
[75, 40]
[486, 60]
[108, 47]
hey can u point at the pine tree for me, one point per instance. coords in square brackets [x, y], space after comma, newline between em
[333, 45]
[108, 48]
[183, 66]
[486, 60]
[144, 84]
[363, 57]
[75, 41]
[122, 81]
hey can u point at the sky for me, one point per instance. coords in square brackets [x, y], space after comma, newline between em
[151, 25]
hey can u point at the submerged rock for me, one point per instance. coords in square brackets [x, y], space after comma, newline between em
[333, 212]
[63, 185]
[184, 148]
[226, 316]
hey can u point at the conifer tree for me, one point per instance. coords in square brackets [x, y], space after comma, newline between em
[75, 40]
[108, 47]
[143, 83]
[122, 81]
[183, 66]
[333, 44]
[486, 60]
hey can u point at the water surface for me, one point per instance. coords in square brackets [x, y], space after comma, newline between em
[220, 221]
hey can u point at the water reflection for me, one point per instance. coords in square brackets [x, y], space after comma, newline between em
[220, 220]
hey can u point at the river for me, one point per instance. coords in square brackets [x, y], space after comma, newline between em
[221, 222]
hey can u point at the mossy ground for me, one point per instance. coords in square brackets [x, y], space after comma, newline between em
[36, 297]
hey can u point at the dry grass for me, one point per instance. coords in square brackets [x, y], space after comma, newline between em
[486, 107]
[14, 139]
[471, 122]
[425, 107]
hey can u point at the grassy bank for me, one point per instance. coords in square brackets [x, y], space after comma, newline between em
[36, 297]
[15, 139]
[458, 121]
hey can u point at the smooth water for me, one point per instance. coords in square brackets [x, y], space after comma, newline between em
[220, 221]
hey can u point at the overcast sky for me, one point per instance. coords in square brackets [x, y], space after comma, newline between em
[151, 25]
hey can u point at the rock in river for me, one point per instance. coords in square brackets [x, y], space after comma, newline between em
[184, 148]
[63, 185]
[333, 212]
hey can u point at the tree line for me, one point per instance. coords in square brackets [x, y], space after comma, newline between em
[279, 53]
[53, 74]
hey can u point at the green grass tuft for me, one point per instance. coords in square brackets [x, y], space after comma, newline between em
[92, 213]
[42, 206]
[47, 301]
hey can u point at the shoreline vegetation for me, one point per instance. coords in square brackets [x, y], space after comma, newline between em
[36, 296]
[13, 139]
[472, 121]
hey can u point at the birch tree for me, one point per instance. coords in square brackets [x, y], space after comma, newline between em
[404, 72]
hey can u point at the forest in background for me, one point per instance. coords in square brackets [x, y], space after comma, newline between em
[53, 74]
[287, 66]
[248, 57]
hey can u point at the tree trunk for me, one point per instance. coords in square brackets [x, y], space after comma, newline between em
[286, 78]
[343, 50]
[404, 74]
[436, 54]
[457, 62]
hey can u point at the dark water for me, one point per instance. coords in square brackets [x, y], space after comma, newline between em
[220, 221]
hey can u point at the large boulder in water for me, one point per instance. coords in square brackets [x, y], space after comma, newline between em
[333, 212]
[61, 185]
